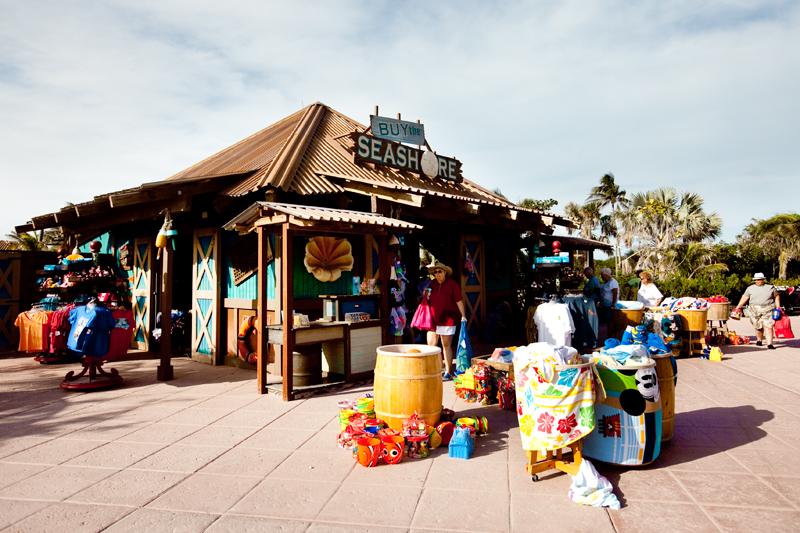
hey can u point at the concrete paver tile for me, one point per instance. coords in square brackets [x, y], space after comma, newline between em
[491, 447]
[739, 489]
[789, 487]
[463, 510]
[129, 487]
[647, 517]
[362, 504]
[207, 493]
[194, 416]
[181, 400]
[286, 498]
[158, 521]
[226, 436]
[406, 473]
[697, 458]
[777, 462]
[248, 419]
[75, 518]
[109, 430]
[229, 403]
[732, 519]
[16, 510]
[326, 527]
[324, 440]
[742, 438]
[161, 433]
[688, 436]
[312, 421]
[551, 482]
[278, 438]
[449, 473]
[315, 466]
[639, 484]
[153, 412]
[256, 524]
[180, 458]
[556, 514]
[249, 462]
[10, 473]
[52, 452]
[269, 402]
[56, 484]
[116, 454]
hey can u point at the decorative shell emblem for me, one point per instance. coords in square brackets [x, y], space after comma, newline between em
[327, 257]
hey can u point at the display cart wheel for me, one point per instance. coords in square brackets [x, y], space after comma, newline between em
[535, 478]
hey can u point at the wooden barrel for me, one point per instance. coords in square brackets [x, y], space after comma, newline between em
[408, 383]
[693, 319]
[719, 311]
[626, 317]
[307, 365]
[666, 384]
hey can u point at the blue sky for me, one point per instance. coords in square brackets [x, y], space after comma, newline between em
[538, 99]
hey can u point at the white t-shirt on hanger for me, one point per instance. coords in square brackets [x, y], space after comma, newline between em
[555, 325]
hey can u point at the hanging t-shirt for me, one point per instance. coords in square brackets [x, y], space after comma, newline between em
[91, 330]
[554, 322]
[59, 329]
[34, 331]
[584, 317]
[120, 338]
[649, 295]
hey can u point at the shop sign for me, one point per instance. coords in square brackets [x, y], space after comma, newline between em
[563, 257]
[383, 152]
[398, 130]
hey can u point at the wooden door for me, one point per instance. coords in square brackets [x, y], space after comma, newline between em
[206, 262]
[142, 293]
[472, 283]
[10, 280]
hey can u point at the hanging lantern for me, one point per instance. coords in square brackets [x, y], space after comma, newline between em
[556, 247]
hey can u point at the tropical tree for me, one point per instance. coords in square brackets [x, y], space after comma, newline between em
[587, 217]
[539, 205]
[48, 240]
[656, 222]
[778, 236]
[609, 194]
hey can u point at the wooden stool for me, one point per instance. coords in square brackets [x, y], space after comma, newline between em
[541, 462]
[693, 342]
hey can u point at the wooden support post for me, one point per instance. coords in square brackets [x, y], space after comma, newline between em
[164, 372]
[261, 311]
[288, 306]
[383, 275]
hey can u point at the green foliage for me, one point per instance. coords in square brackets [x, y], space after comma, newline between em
[540, 205]
[678, 286]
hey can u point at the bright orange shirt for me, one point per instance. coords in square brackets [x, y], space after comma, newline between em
[34, 331]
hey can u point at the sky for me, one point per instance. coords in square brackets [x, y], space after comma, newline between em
[538, 99]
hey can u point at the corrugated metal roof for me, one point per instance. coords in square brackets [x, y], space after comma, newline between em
[259, 210]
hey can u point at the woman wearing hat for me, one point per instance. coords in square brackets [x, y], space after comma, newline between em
[446, 305]
[763, 300]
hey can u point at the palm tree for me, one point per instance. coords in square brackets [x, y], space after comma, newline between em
[657, 221]
[48, 240]
[778, 236]
[587, 217]
[608, 193]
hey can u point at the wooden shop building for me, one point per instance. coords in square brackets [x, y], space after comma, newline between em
[281, 210]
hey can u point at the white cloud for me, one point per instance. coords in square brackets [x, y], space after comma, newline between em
[538, 99]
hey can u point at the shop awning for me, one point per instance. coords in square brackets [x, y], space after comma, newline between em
[271, 213]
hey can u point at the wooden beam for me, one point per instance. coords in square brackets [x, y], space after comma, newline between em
[92, 208]
[43, 222]
[166, 192]
[267, 221]
[24, 228]
[261, 313]
[66, 215]
[128, 214]
[414, 200]
[300, 222]
[164, 372]
[287, 306]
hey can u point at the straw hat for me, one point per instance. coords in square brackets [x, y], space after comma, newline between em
[438, 264]
[759, 275]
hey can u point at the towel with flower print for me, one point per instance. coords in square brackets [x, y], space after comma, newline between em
[555, 407]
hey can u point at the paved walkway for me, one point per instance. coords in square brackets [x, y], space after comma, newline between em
[205, 453]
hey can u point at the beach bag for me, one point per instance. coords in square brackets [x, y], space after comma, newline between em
[423, 316]
[783, 328]
[464, 354]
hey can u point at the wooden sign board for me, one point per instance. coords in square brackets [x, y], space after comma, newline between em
[398, 130]
[395, 155]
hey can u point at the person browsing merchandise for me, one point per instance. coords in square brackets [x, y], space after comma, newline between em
[446, 305]
[648, 293]
[592, 287]
[763, 300]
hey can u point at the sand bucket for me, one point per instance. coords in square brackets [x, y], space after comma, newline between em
[693, 319]
[408, 383]
[667, 380]
[628, 421]
[393, 448]
[623, 318]
[368, 451]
